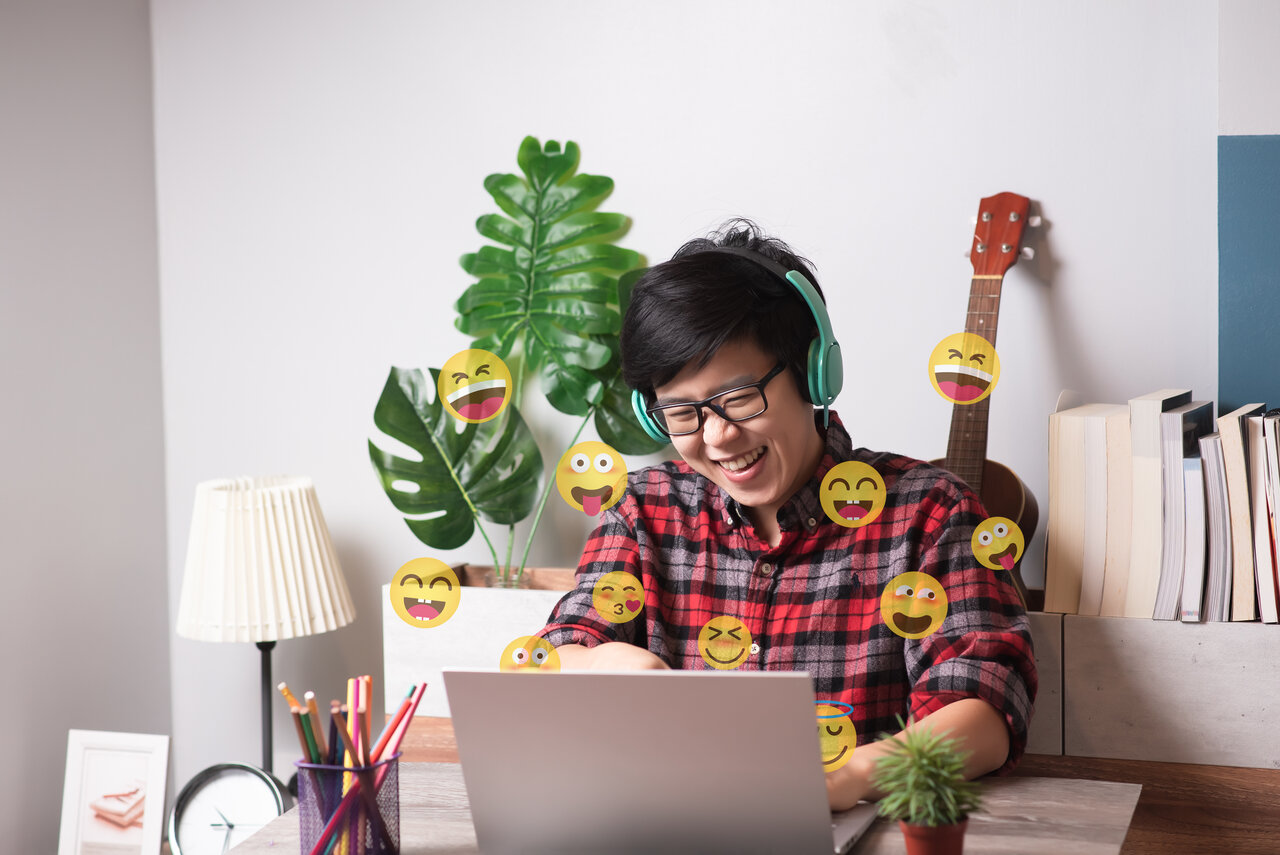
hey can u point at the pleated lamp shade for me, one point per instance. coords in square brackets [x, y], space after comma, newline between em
[260, 566]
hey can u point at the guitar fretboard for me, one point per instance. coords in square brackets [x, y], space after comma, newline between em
[967, 442]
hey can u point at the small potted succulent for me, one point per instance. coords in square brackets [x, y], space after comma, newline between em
[925, 790]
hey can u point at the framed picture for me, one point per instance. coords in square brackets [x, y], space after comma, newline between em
[113, 793]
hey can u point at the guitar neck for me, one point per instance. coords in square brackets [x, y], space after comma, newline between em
[967, 441]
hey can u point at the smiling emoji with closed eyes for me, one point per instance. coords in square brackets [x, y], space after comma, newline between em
[474, 385]
[617, 596]
[425, 592]
[913, 604]
[836, 735]
[852, 493]
[724, 642]
[964, 368]
[998, 543]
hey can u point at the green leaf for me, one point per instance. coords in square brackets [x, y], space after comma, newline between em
[616, 421]
[489, 469]
[550, 286]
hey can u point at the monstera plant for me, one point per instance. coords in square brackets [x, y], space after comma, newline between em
[548, 299]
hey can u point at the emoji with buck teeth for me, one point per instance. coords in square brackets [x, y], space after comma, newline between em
[964, 368]
[591, 477]
[998, 543]
[617, 596]
[530, 653]
[913, 604]
[474, 385]
[836, 735]
[852, 493]
[724, 642]
[425, 592]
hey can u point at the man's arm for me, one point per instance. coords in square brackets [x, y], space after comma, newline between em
[610, 656]
[979, 727]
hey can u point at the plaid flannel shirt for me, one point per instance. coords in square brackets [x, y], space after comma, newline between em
[812, 603]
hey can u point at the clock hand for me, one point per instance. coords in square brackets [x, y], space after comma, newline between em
[226, 841]
[230, 824]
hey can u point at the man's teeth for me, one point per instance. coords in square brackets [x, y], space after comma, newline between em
[742, 462]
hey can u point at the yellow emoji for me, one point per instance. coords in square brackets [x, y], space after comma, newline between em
[724, 642]
[591, 477]
[964, 368]
[425, 592]
[617, 596]
[913, 604]
[530, 653]
[835, 734]
[852, 493]
[474, 385]
[997, 542]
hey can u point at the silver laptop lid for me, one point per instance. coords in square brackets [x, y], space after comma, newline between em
[670, 761]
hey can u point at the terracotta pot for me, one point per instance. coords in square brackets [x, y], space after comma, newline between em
[934, 839]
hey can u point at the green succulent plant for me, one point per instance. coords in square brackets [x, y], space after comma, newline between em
[922, 779]
[548, 299]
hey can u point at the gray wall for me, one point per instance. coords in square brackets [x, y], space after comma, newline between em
[83, 614]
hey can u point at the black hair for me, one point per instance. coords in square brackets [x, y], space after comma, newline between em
[684, 310]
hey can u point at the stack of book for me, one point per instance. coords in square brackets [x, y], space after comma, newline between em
[1155, 514]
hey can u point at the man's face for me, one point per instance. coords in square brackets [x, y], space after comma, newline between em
[761, 462]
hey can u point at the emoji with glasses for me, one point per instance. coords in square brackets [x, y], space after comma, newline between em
[617, 596]
[852, 493]
[724, 642]
[964, 368]
[474, 385]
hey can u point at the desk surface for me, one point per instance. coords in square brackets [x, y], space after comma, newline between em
[1023, 815]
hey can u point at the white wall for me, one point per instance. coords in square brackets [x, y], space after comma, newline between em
[320, 169]
[83, 614]
[1248, 99]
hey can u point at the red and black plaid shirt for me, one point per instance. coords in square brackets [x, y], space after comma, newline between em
[812, 603]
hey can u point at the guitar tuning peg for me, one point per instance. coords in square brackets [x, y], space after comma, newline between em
[1028, 253]
[1034, 222]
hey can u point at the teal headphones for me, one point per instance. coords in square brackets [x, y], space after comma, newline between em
[825, 370]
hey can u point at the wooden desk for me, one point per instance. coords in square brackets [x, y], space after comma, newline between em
[1023, 815]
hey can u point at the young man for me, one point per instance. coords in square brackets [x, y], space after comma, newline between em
[737, 527]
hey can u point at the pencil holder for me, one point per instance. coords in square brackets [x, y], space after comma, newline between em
[349, 809]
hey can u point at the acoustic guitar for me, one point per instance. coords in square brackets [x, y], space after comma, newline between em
[997, 243]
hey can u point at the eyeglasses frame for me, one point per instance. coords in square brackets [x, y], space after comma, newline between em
[719, 411]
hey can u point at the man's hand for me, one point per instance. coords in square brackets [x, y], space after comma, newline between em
[610, 656]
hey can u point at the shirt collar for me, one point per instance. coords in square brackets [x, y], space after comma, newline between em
[804, 505]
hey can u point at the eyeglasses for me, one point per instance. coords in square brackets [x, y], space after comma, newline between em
[735, 405]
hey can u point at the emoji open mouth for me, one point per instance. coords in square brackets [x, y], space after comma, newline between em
[852, 509]
[479, 400]
[911, 625]
[591, 500]
[843, 749]
[1008, 557]
[961, 383]
[741, 653]
[423, 609]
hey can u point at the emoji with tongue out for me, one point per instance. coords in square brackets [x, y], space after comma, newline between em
[913, 604]
[591, 477]
[998, 543]
[425, 592]
[474, 385]
[852, 493]
[964, 368]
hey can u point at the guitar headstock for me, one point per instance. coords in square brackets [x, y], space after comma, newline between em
[997, 239]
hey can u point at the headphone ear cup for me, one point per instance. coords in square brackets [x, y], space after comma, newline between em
[826, 372]
[646, 420]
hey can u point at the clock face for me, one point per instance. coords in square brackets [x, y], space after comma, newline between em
[221, 807]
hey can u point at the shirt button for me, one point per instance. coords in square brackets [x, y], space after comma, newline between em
[766, 568]
[812, 522]
[755, 649]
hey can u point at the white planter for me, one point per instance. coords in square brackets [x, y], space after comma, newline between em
[487, 620]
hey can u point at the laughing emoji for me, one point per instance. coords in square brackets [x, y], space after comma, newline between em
[852, 493]
[964, 368]
[724, 642]
[591, 477]
[913, 604]
[425, 592]
[997, 543]
[474, 385]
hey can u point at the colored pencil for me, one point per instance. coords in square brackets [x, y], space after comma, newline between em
[317, 729]
[288, 695]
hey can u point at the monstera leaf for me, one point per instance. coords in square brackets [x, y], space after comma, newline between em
[547, 292]
[615, 418]
[489, 469]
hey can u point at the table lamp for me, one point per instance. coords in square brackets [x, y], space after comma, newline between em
[260, 567]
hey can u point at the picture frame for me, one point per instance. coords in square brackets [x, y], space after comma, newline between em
[113, 793]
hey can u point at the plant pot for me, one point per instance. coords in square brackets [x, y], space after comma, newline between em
[487, 620]
[934, 839]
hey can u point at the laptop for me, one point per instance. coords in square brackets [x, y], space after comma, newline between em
[645, 762]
